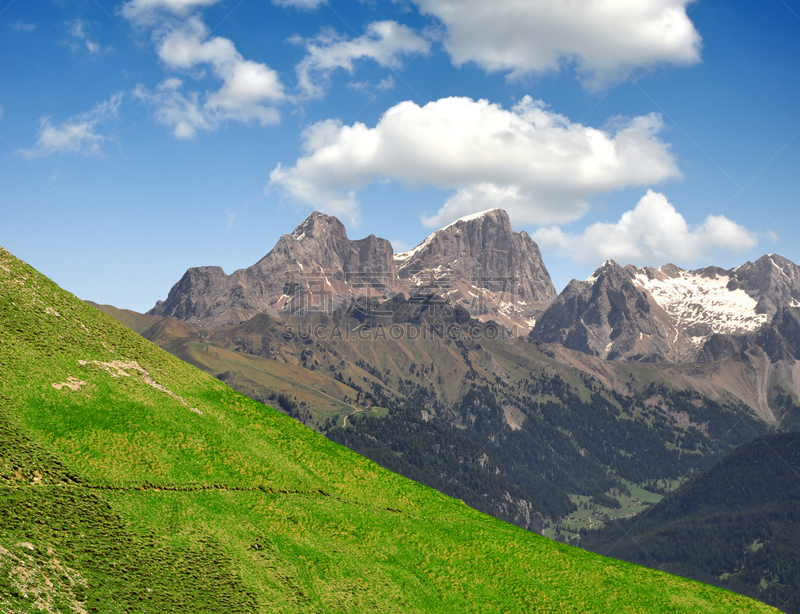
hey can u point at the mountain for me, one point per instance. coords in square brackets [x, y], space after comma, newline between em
[491, 269]
[478, 262]
[316, 260]
[715, 362]
[672, 315]
[737, 525]
[131, 481]
[611, 316]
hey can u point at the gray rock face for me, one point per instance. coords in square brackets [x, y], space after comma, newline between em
[523, 513]
[479, 264]
[315, 265]
[772, 280]
[194, 297]
[672, 315]
[484, 250]
[609, 316]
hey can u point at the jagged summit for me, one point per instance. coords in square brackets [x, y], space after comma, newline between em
[476, 216]
[316, 224]
[608, 265]
[496, 215]
[608, 316]
[675, 315]
[478, 262]
[483, 250]
[317, 254]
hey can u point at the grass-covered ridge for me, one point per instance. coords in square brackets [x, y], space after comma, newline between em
[132, 482]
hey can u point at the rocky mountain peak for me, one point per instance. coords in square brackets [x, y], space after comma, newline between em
[317, 257]
[434, 244]
[495, 271]
[496, 216]
[319, 225]
[478, 262]
[609, 315]
[607, 272]
[679, 315]
[772, 281]
[488, 268]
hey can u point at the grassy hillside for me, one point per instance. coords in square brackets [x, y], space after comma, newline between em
[546, 431]
[736, 525]
[133, 482]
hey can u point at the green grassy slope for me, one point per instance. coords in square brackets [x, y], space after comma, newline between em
[257, 377]
[133, 482]
[535, 418]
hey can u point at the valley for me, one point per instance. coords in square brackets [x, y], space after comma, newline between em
[733, 526]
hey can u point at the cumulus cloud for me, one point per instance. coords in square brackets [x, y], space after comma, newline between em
[76, 135]
[603, 40]
[652, 232]
[538, 165]
[306, 5]
[248, 92]
[247, 85]
[384, 42]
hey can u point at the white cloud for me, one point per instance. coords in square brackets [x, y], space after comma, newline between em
[538, 165]
[602, 39]
[384, 42]
[172, 108]
[306, 5]
[247, 92]
[76, 135]
[652, 233]
[373, 88]
[145, 11]
[79, 30]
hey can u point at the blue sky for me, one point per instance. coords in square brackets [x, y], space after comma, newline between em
[144, 137]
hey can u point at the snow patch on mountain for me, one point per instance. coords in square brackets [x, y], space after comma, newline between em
[695, 301]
